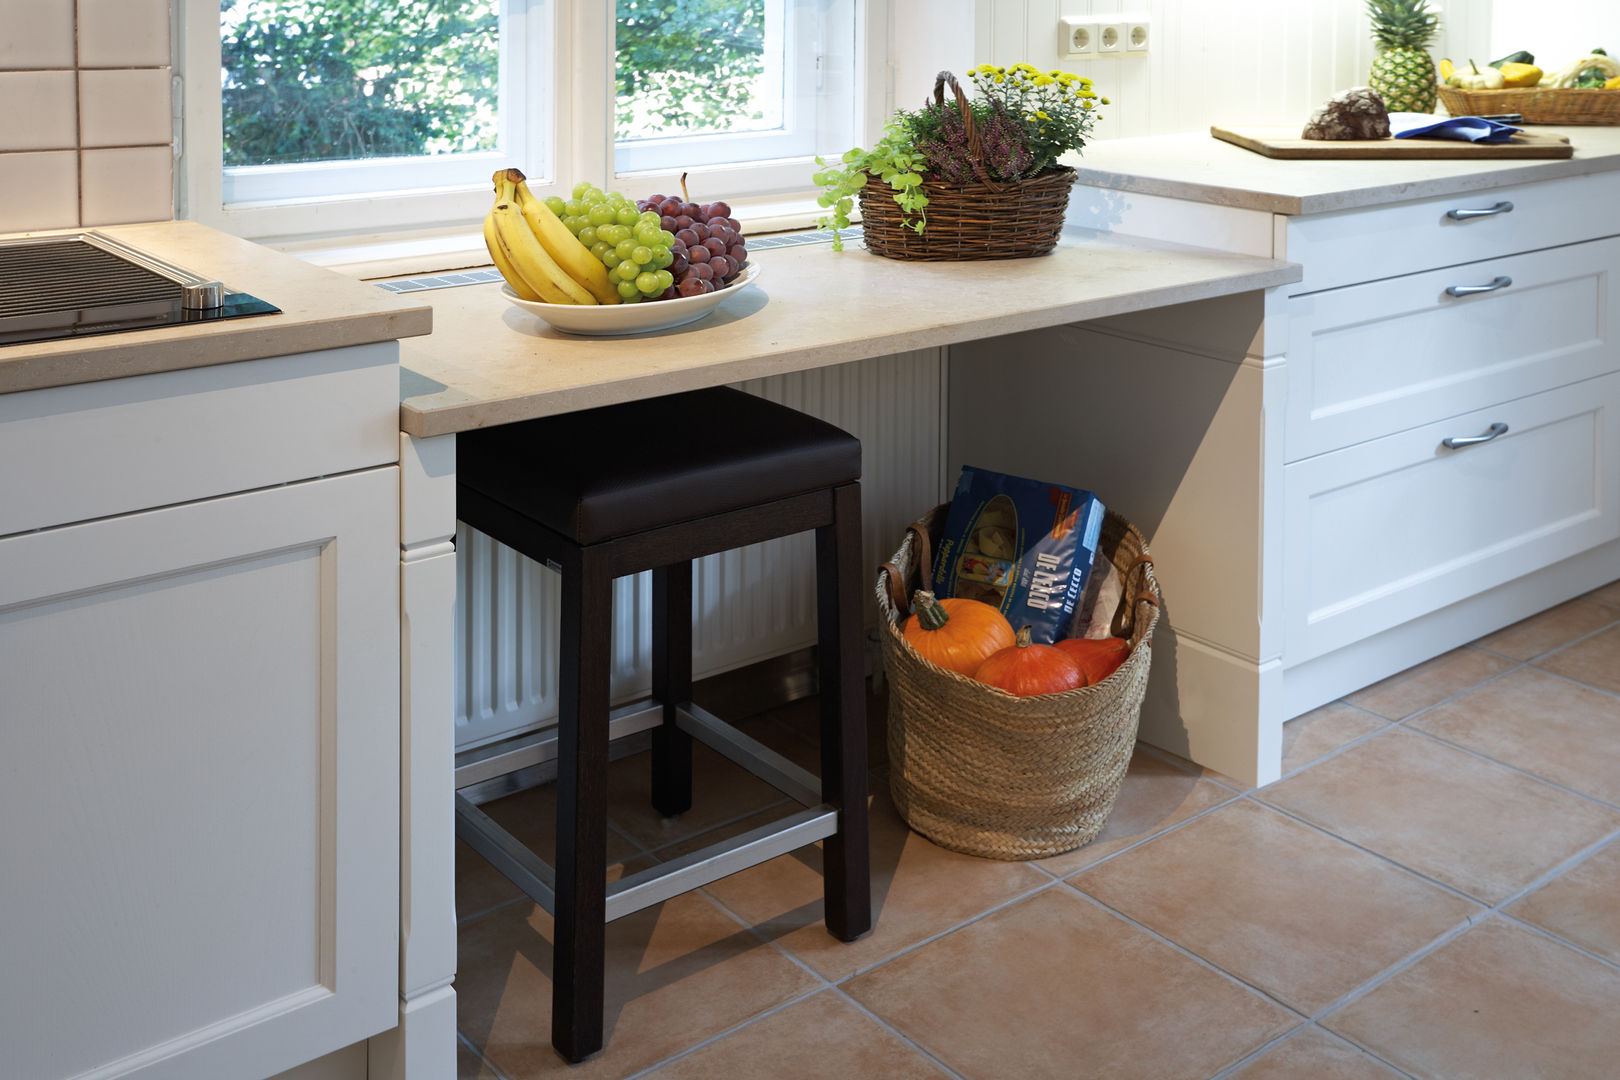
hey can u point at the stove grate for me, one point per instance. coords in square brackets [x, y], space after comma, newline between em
[47, 276]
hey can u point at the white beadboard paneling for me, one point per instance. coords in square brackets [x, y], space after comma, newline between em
[749, 604]
[1266, 61]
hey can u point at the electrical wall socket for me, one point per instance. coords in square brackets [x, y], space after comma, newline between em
[1077, 37]
[1110, 37]
[1137, 33]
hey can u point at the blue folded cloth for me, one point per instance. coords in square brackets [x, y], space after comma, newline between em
[1408, 125]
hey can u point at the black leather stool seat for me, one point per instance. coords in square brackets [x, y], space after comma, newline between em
[622, 469]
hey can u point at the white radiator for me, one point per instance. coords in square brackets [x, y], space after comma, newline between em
[750, 604]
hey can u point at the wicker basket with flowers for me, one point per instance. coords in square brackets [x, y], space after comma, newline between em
[976, 178]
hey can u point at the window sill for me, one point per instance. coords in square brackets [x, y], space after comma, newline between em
[440, 250]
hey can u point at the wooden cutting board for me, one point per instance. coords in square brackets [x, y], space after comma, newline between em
[1280, 142]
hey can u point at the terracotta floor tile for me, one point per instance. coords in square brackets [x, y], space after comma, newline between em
[804, 720]
[1497, 1001]
[1554, 728]
[1470, 823]
[1056, 987]
[1319, 732]
[1154, 796]
[677, 973]
[721, 791]
[1193, 767]
[1298, 914]
[1557, 626]
[1582, 905]
[1313, 1054]
[918, 889]
[1400, 696]
[1595, 661]
[823, 1037]
[1607, 594]
[469, 1066]
[531, 816]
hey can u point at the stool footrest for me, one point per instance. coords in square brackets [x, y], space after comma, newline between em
[657, 884]
[796, 783]
[506, 853]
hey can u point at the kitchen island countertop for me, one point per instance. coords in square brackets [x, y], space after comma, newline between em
[489, 362]
[1202, 168]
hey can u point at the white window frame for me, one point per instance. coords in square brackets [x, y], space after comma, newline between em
[572, 40]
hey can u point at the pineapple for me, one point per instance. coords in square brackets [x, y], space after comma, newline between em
[1403, 73]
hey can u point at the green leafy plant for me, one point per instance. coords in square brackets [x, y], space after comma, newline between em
[1025, 118]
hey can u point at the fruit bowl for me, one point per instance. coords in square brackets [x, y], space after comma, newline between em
[598, 320]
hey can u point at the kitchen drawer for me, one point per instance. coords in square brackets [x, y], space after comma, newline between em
[1370, 360]
[1392, 529]
[96, 449]
[1365, 245]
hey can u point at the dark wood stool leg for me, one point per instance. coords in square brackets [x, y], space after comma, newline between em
[582, 759]
[672, 685]
[845, 854]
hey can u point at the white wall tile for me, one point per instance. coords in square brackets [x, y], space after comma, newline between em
[128, 184]
[36, 34]
[123, 33]
[41, 191]
[40, 110]
[125, 108]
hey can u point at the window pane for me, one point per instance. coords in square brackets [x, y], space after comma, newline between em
[690, 67]
[706, 82]
[345, 80]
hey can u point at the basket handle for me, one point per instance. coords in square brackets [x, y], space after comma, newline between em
[1125, 618]
[896, 581]
[975, 145]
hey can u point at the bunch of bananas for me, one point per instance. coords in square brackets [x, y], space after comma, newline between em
[535, 252]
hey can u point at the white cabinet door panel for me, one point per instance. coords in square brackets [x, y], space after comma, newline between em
[199, 775]
[1372, 359]
[1392, 529]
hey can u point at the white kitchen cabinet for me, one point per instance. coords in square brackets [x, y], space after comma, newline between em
[1313, 532]
[200, 720]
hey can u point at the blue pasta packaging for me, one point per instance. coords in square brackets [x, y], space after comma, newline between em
[1026, 548]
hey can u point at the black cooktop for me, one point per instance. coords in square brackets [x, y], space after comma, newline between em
[77, 285]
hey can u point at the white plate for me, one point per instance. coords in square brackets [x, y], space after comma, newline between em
[602, 320]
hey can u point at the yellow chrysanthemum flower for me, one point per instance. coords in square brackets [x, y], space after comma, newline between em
[1105, 101]
[1085, 104]
[1044, 80]
[1042, 115]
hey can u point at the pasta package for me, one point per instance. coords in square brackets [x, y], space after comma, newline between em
[1026, 548]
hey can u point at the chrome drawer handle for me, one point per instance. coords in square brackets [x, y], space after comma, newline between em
[1473, 290]
[1463, 215]
[1458, 442]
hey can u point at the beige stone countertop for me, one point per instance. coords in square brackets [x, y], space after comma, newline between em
[319, 310]
[1203, 168]
[490, 362]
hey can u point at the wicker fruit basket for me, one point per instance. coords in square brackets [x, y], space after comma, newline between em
[987, 220]
[1538, 105]
[979, 771]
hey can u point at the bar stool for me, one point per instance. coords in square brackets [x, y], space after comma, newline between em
[651, 485]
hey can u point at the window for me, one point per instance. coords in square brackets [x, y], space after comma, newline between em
[327, 117]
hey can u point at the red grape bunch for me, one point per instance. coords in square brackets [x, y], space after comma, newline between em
[709, 248]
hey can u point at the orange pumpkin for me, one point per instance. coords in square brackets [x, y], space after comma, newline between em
[956, 634]
[1098, 657]
[1026, 669]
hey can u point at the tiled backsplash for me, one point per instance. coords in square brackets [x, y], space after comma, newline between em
[86, 134]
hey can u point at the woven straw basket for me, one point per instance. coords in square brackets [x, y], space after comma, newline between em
[979, 771]
[1550, 105]
[987, 220]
